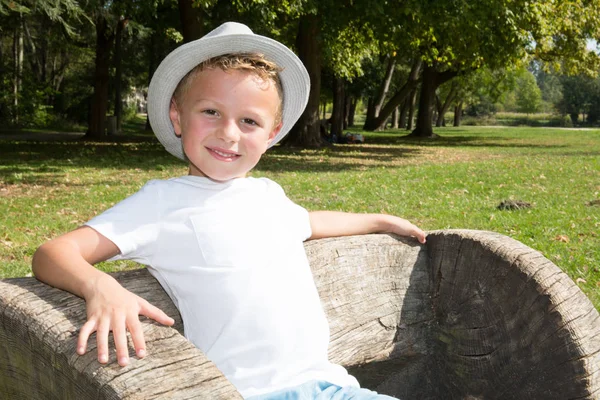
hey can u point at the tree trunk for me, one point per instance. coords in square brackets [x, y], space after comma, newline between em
[395, 118]
[191, 20]
[352, 111]
[347, 105]
[381, 92]
[411, 109]
[370, 116]
[306, 132]
[458, 113]
[337, 114]
[438, 110]
[99, 107]
[443, 109]
[152, 63]
[17, 68]
[432, 79]
[379, 121]
[403, 113]
[118, 72]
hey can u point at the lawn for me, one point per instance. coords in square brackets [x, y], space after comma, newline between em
[456, 181]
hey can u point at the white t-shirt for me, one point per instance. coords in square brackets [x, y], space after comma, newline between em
[230, 256]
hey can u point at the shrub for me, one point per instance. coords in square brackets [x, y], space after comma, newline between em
[566, 121]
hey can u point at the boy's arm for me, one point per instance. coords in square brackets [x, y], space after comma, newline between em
[66, 263]
[332, 223]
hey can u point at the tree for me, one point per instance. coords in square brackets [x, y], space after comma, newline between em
[529, 95]
[551, 88]
[37, 57]
[579, 93]
[306, 132]
[455, 37]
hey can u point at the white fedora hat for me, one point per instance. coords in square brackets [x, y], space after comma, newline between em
[231, 37]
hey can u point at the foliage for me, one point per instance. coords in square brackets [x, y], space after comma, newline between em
[463, 36]
[580, 93]
[451, 35]
[483, 89]
[550, 85]
[62, 12]
[528, 94]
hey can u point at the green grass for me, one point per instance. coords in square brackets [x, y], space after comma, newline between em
[457, 181]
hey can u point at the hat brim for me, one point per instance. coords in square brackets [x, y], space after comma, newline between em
[294, 78]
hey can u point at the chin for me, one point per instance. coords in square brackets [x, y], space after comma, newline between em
[222, 177]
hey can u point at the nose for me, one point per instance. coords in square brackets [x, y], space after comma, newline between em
[229, 131]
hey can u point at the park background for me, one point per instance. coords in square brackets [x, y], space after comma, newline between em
[462, 105]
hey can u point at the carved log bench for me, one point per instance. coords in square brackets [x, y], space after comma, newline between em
[470, 315]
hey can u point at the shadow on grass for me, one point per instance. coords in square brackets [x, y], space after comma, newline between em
[43, 161]
[467, 139]
[26, 157]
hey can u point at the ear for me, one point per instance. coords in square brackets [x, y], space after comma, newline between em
[174, 115]
[274, 133]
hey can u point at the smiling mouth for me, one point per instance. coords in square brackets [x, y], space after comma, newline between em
[223, 155]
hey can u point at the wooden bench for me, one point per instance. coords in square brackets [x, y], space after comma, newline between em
[470, 315]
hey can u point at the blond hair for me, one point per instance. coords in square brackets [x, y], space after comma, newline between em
[253, 63]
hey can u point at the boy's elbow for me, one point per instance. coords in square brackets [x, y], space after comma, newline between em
[40, 256]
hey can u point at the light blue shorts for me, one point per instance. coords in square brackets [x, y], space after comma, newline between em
[319, 390]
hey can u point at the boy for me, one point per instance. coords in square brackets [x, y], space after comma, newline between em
[226, 248]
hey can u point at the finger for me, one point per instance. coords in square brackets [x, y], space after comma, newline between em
[102, 340]
[120, 338]
[155, 313]
[84, 334]
[137, 335]
[419, 234]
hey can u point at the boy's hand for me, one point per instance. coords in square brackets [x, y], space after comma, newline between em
[112, 307]
[402, 227]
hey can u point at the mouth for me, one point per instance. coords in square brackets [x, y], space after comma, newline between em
[223, 155]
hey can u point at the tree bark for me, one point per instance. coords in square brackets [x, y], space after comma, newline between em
[337, 114]
[370, 116]
[432, 79]
[411, 109]
[395, 118]
[17, 67]
[191, 20]
[99, 106]
[379, 121]
[118, 71]
[458, 113]
[403, 113]
[306, 132]
[352, 111]
[443, 109]
[347, 105]
[438, 108]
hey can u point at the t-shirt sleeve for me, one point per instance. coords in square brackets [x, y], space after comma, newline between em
[295, 216]
[132, 224]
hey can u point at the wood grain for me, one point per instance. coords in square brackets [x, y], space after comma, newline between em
[470, 315]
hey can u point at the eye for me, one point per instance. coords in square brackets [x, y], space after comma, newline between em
[210, 112]
[249, 121]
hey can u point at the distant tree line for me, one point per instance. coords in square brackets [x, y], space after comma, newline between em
[407, 62]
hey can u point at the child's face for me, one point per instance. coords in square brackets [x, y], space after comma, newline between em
[226, 122]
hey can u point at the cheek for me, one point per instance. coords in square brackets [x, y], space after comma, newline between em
[257, 144]
[193, 128]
